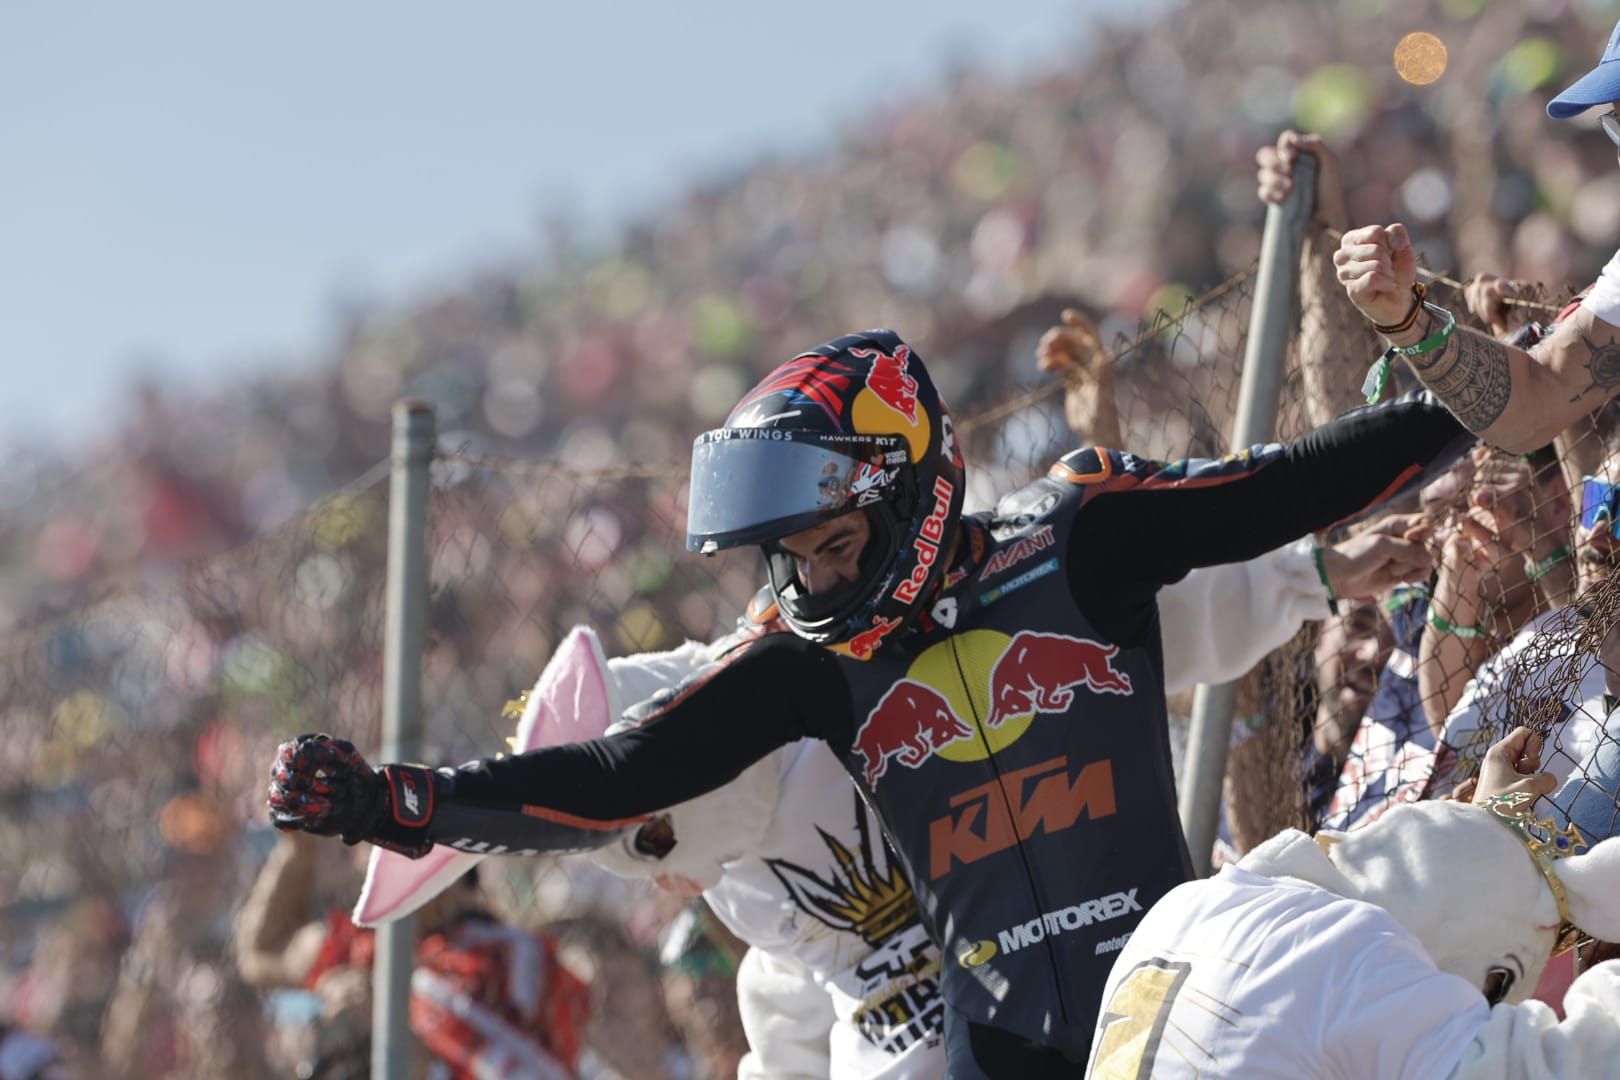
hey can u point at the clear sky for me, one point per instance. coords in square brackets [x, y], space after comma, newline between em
[187, 185]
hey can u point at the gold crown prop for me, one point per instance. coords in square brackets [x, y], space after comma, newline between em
[1545, 843]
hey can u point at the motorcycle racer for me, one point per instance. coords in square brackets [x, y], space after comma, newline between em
[992, 682]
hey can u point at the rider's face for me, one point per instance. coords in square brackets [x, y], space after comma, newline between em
[829, 554]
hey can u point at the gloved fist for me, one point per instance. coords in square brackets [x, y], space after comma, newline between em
[324, 786]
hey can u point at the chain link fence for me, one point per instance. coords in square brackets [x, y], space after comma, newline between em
[139, 728]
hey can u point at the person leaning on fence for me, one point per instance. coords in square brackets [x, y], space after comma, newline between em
[951, 661]
[1535, 665]
[1515, 398]
[1390, 757]
[1504, 559]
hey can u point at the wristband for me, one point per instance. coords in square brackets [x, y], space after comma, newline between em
[1536, 570]
[1321, 572]
[1402, 595]
[1372, 388]
[1435, 340]
[1419, 291]
[399, 821]
[1446, 627]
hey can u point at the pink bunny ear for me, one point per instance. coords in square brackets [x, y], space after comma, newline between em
[572, 701]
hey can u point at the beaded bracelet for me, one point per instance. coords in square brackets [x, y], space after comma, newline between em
[1321, 572]
[1447, 627]
[1378, 375]
[1536, 570]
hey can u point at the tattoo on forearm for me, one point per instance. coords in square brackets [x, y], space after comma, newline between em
[1470, 377]
[1604, 366]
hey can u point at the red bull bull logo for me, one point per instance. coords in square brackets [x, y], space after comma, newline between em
[865, 643]
[1038, 673]
[910, 722]
[1006, 681]
[890, 380]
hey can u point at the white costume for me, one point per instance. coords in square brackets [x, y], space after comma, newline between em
[1365, 955]
[1220, 621]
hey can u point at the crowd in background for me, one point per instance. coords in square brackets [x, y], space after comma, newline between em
[206, 580]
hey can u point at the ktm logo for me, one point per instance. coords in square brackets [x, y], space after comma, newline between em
[993, 817]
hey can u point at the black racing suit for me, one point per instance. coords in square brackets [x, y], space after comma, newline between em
[1014, 745]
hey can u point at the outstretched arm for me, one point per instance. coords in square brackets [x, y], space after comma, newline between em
[1149, 523]
[1515, 399]
[581, 795]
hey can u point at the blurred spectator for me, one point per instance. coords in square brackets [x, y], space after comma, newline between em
[25, 1056]
[1567, 705]
[486, 999]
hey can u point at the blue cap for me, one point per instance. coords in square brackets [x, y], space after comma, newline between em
[1599, 86]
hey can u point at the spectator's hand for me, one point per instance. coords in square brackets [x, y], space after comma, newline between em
[1469, 552]
[1485, 296]
[1377, 267]
[1503, 499]
[1371, 563]
[1513, 764]
[323, 785]
[1275, 174]
[1075, 351]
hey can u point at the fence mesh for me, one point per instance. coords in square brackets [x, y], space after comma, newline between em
[138, 729]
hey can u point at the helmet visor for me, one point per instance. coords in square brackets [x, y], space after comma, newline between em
[750, 485]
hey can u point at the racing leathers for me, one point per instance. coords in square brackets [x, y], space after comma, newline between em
[1014, 743]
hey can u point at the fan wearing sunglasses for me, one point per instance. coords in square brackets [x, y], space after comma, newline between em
[1515, 398]
[1557, 675]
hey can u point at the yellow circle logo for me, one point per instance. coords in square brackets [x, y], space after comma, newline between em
[873, 416]
[960, 670]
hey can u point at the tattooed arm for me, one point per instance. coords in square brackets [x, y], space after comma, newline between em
[1514, 399]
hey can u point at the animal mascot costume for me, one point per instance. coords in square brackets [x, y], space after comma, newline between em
[1406, 949]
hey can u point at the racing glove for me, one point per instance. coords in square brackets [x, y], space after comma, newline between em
[323, 785]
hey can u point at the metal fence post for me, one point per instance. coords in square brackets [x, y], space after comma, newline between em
[403, 643]
[1271, 320]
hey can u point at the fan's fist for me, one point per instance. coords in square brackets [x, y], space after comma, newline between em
[1377, 268]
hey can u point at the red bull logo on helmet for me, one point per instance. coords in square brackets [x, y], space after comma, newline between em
[890, 380]
[927, 542]
[887, 402]
[1006, 681]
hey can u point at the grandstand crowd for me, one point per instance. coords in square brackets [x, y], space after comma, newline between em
[190, 589]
